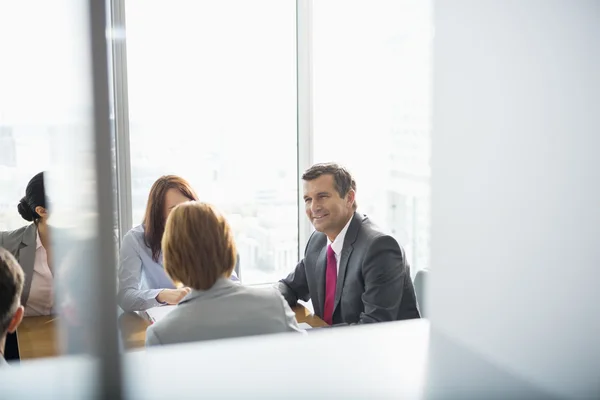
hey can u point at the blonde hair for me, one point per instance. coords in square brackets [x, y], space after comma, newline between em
[198, 246]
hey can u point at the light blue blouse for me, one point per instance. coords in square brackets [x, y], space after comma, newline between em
[140, 277]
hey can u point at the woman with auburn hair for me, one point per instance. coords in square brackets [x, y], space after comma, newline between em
[199, 252]
[143, 282]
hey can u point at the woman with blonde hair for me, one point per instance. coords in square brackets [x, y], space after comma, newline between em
[199, 251]
[143, 282]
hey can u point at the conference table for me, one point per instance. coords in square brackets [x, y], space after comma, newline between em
[38, 336]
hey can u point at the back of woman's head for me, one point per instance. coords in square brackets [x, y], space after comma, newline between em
[35, 195]
[154, 218]
[198, 246]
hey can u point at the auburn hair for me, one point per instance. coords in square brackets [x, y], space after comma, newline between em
[198, 245]
[154, 218]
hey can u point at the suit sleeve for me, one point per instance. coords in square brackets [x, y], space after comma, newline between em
[11, 241]
[288, 316]
[384, 272]
[295, 286]
[6, 243]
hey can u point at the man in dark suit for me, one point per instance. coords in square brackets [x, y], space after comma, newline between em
[352, 271]
[11, 286]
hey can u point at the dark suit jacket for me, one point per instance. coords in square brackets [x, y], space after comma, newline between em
[373, 283]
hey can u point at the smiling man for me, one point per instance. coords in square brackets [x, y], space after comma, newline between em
[352, 271]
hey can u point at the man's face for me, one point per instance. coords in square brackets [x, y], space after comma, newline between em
[327, 211]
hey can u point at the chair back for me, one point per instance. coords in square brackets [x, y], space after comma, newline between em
[421, 291]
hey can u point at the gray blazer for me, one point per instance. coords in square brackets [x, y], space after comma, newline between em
[226, 310]
[373, 281]
[21, 243]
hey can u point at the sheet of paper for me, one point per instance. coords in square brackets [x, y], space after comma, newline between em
[304, 325]
[157, 313]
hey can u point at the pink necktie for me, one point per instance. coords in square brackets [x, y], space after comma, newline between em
[330, 281]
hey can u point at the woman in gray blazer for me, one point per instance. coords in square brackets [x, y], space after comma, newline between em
[30, 245]
[199, 252]
[143, 282]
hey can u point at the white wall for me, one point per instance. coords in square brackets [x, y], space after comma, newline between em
[515, 289]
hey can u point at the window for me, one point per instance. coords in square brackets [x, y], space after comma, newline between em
[44, 104]
[372, 109]
[212, 98]
[47, 124]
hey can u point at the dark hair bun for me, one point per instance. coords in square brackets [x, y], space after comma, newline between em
[25, 211]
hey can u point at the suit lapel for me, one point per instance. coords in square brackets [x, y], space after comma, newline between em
[26, 259]
[321, 267]
[347, 249]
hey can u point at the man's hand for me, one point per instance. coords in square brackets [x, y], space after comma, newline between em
[172, 296]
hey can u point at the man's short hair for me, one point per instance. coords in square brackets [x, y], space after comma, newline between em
[342, 179]
[198, 246]
[11, 286]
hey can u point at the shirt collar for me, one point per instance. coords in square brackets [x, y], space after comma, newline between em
[220, 284]
[338, 243]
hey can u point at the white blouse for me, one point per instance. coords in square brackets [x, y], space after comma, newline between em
[41, 294]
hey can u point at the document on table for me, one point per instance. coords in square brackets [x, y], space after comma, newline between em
[304, 325]
[157, 313]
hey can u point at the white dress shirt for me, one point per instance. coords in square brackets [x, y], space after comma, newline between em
[338, 244]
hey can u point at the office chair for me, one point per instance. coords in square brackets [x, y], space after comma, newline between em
[237, 270]
[421, 291]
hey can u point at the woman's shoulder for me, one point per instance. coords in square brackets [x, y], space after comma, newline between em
[134, 241]
[135, 234]
[260, 294]
[9, 238]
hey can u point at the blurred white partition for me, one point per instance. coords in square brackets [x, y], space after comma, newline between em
[516, 200]
[378, 361]
[54, 94]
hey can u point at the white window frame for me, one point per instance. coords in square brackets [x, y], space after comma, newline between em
[304, 126]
